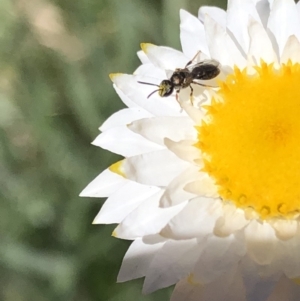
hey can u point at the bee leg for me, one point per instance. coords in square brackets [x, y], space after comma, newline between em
[203, 85]
[191, 95]
[177, 98]
[190, 62]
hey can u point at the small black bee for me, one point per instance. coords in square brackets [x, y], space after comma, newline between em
[183, 78]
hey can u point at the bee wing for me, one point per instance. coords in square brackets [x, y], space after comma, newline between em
[191, 67]
[210, 62]
[169, 73]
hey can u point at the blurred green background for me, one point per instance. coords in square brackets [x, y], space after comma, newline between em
[55, 58]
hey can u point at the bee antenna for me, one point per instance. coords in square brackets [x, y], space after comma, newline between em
[152, 93]
[150, 84]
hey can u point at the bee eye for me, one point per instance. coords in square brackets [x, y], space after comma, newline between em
[168, 91]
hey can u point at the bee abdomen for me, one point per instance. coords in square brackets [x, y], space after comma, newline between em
[205, 72]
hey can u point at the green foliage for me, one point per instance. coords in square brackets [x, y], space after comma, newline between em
[55, 58]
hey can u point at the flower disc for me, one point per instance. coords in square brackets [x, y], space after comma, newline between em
[251, 140]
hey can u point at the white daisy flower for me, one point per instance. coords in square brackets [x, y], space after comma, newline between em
[209, 188]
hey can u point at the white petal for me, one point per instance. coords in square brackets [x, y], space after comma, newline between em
[285, 229]
[194, 113]
[165, 57]
[137, 259]
[260, 239]
[268, 272]
[285, 290]
[263, 289]
[148, 218]
[201, 213]
[263, 10]
[184, 150]
[291, 50]
[123, 201]
[173, 262]
[156, 168]
[218, 256]
[174, 193]
[150, 70]
[123, 117]
[258, 287]
[284, 22]
[104, 185]
[156, 129]
[203, 185]
[138, 94]
[188, 291]
[228, 287]
[271, 2]
[216, 13]
[289, 256]
[192, 35]
[238, 13]
[221, 46]
[231, 221]
[260, 45]
[120, 140]
[143, 57]
[126, 100]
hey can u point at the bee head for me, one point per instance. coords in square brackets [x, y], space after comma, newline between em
[165, 88]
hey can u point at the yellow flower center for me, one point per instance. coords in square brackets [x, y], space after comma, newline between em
[251, 140]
